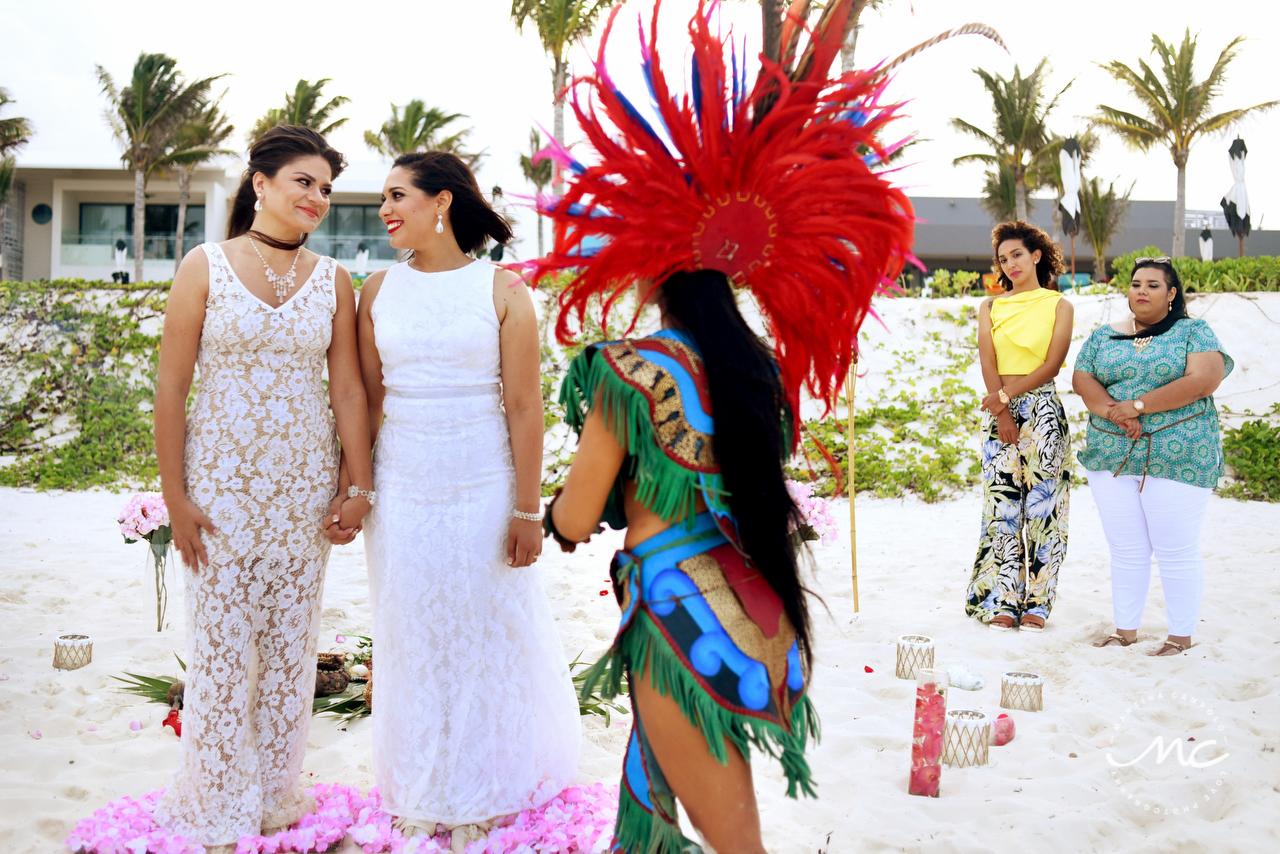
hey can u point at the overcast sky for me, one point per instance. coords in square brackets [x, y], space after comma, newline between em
[465, 56]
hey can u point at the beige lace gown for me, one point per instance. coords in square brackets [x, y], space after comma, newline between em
[261, 460]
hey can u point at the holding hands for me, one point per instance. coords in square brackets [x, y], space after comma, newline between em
[345, 518]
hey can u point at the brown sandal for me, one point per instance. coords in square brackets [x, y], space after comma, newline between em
[1115, 637]
[1170, 648]
[1031, 623]
[1002, 623]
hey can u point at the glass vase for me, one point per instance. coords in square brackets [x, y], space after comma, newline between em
[927, 734]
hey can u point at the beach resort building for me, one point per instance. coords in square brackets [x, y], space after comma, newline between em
[64, 221]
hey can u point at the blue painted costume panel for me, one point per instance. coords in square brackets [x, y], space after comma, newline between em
[708, 627]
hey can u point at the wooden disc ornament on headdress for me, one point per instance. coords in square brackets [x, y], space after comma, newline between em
[736, 235]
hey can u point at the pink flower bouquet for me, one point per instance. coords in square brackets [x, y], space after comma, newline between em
[146, 518]
[819, 520]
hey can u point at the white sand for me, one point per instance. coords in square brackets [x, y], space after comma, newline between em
[64, 568]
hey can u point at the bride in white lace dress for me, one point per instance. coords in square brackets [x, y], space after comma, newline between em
[473, 710]
[249, 479]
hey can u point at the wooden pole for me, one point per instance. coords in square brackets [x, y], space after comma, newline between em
[853, 492]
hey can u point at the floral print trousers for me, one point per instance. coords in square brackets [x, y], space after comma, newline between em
[1025, 499]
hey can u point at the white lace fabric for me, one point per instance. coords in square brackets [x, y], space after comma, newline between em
[474, 714]
[261, 461]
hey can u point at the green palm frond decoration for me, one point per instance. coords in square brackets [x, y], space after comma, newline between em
[594, 704]
[152, 688]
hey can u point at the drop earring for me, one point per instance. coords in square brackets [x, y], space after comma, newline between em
[439, 222]
[257, 206]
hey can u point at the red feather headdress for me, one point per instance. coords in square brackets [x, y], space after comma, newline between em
[770, 186]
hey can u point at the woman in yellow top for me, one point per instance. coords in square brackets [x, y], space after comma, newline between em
[1023, 337]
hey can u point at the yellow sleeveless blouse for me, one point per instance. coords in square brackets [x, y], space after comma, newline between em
[1021, 328]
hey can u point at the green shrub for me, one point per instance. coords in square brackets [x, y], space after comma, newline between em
[77, 376]
[1226, 275]
[922, 440]
[948, 284]
[1253, 452]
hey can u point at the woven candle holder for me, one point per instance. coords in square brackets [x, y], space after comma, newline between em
[915, 653]
[1022, 690]
[71, 652]
[966, 738]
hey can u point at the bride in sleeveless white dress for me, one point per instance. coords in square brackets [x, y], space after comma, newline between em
[473, 709]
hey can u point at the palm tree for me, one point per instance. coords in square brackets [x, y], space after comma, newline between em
[416, 129]
[851, 27]
[1021, 139]
[144, 116]
[1000, 194]
[1177, 110]
[1102, 215]
[303, 107]
[537, 173]
[560, 23]
[15, 132]
[196, 142]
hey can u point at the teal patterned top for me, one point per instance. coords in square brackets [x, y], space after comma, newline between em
[1190, 452]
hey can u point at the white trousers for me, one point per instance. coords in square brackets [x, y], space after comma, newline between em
[1164, 519]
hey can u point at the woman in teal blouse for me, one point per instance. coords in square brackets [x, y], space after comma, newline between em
[1153, 448]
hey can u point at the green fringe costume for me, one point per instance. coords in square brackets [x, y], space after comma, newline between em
[714, 634]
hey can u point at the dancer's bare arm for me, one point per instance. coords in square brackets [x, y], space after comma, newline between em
[596, 463]
[183, 323]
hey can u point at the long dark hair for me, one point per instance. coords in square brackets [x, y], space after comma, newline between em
[474, 221]
[1177, 311]
[274, 150]
[749, 406]
[1050, 266]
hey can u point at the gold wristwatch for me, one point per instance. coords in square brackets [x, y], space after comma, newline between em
[1139, 405]
[1004, 398]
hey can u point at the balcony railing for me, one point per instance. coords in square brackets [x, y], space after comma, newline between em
[344, 246]
[98, 250]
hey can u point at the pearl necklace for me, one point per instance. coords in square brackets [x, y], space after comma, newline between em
[1140, 344]
[281, 284]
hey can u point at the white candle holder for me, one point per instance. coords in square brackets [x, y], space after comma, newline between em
[1022, 690]
[915, 653]
[71, 652]
[966, 739]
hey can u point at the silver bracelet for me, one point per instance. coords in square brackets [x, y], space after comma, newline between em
[528, 517]
[354, 491]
